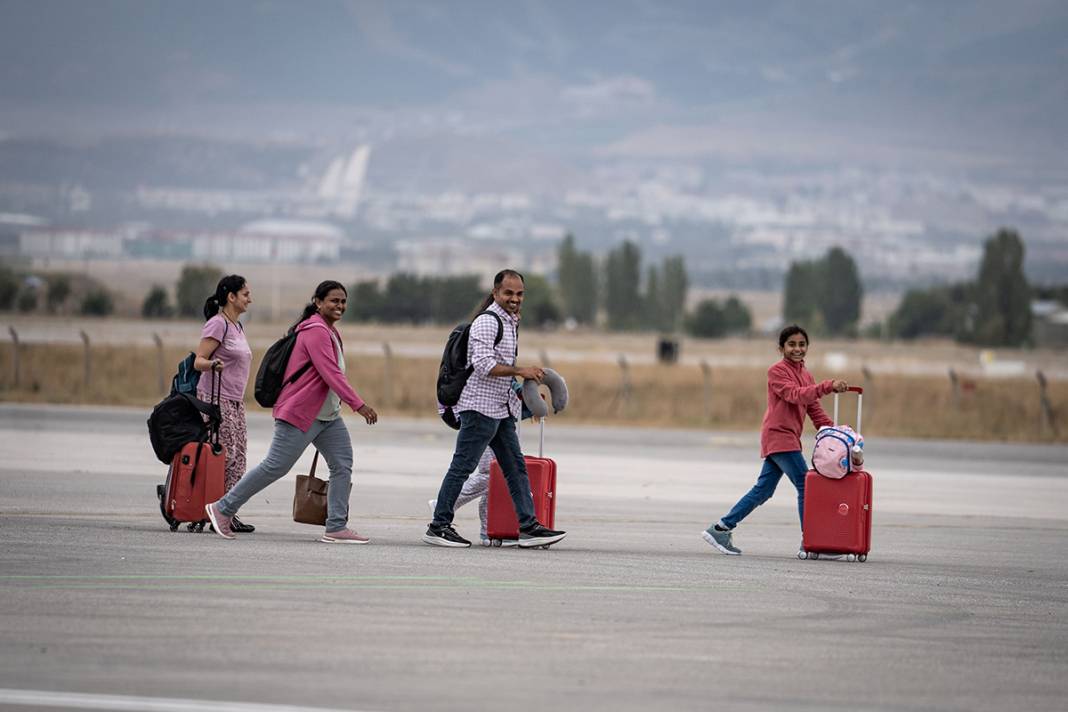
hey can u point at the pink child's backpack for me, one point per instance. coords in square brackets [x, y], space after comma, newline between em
[834, 456]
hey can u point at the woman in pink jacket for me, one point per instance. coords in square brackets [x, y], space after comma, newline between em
[792, 393]
[308, 412]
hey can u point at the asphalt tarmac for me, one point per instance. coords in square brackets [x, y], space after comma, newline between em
[961, 604]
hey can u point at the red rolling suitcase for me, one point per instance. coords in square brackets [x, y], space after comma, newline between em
[837, 513]
[197, 476]
[502, 524]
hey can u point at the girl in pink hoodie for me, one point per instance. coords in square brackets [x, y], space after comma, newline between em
[308, 412]
[792, 394]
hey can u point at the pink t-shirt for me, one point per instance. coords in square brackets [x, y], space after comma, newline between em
[235, 355]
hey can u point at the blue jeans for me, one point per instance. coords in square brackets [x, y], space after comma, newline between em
[478, 431]
[775, 464]
[331, 439]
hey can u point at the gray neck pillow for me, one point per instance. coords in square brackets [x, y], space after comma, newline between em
[557, 394]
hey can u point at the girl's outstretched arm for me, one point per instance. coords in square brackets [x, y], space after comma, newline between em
[783, 384]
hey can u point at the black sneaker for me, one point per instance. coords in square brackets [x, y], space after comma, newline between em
[537, 535]
[239, 527]
[444, 535]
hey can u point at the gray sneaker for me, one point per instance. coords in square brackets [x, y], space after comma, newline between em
[721, 540]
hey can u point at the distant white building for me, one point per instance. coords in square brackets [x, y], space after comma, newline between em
[72, 243]
[267, 241]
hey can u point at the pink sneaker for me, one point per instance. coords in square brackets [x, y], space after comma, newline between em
[219, 521]
[344, 536]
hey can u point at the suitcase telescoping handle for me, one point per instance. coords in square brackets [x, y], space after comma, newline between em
[541, 438]
[860, 402]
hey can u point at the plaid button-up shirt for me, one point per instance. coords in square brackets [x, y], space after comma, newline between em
[492, 396]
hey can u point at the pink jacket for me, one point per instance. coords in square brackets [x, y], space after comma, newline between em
[792, 392]
[300, 401]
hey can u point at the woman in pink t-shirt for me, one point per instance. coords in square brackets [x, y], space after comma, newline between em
[793, 394]
[224, 350]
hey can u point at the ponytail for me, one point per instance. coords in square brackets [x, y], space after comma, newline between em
[230, 284]
[483, 306]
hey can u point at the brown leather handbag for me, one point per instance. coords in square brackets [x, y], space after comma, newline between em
[309, 501]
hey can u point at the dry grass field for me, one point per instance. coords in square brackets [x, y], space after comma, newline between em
[915, 399]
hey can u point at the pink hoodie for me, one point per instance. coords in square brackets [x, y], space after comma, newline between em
[792, 392]
[300, 401]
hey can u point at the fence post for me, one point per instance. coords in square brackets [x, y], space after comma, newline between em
[1047, 419]
[869, 386]
[955, 385]
[706, 371]
[159, 360]
[87, 360]
[387, 375]
[15, 355]
[622, 398]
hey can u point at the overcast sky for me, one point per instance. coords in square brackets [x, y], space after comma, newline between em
[949, 81]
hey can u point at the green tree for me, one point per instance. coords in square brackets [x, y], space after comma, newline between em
[539, 304]
[708, 320]
[840, 293]
[58, 292]
[653, 310]
[712, 320]
[578, 282]
[9, 287]
[97, 302]
[1002, 294]
[404, 299]
[674, 285]
[453, 298]
[736, 315]
[937, 311]
[27, 299]
[156, 304]
[623, 303]
[195, 284]
[365, 302]
[800, 297]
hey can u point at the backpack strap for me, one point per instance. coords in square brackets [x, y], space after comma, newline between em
[500, 325]
[226, 329]
[500, 331]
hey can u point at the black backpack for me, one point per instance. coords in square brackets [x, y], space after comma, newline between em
[176, 420]
[454, 371]
[270, 378]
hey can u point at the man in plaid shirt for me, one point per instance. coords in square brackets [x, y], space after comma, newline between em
[488, 409]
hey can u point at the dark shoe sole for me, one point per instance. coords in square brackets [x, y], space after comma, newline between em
[535, 541]
[438, 541]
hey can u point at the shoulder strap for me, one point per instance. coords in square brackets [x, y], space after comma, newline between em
[500, 325]
[226, 328]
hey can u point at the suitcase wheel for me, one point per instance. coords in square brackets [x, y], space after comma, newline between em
[802, 554]
[495, 542]
[851, 557]
[862, 557]
[174, 526]
[814, 555]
